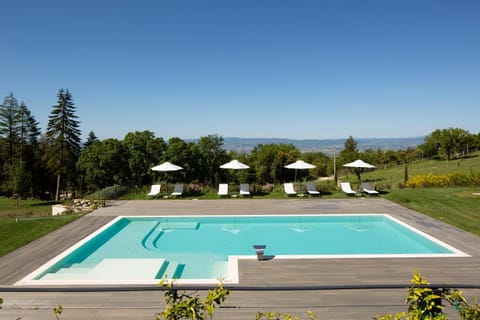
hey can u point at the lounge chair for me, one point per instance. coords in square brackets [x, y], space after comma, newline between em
[177, 190]
[347, 189]
[155, 190]
[367, 188]
[289, 189]
[311, 189]
[223, 189]
[244, 189]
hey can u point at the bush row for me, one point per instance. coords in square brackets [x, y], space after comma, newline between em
[449, 180]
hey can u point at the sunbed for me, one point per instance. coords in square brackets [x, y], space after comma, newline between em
[367, 188]
[177, 190]
[311, 189]
[244, 189]
[347, 189]
[223, 189]
[289, 189]
[155, 190]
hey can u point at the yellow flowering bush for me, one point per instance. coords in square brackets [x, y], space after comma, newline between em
[449, 180]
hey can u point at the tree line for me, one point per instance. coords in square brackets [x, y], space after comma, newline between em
[39, 165]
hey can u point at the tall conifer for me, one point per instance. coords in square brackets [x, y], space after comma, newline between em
[63, 135]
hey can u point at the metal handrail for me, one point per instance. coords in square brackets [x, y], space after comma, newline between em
[231, 287]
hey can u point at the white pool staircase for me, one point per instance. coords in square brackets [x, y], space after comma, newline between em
[119, 270]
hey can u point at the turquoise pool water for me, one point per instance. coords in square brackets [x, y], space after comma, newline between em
[200, 247]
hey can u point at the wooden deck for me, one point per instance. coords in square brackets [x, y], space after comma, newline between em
[243, 304]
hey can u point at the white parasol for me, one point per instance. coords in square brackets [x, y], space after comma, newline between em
[167, 167]
[300, 165]
[235, 165]
[358, 166]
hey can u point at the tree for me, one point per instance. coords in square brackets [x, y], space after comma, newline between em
[350, 150]
[9, 126]
[20, 132]
[63, 135]
[446, 142]
[212, 156]
[269, 162]
[103, 164]
[90, 139]
[185, 155]
[143, 152]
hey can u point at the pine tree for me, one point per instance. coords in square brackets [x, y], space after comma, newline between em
[9, 127]
[90, 139]
[63, 135]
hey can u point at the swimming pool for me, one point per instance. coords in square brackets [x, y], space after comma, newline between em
[203, 249]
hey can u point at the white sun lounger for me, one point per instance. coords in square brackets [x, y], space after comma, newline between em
[367, 188]
[311, 189]
[177, 190]
[244, 189]
[223, 189]
[289, 189]
[347, 189]
[155, 190]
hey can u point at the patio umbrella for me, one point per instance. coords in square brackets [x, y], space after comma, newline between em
[359, 166]
[167, 167]
[300, 165]
[234, 165]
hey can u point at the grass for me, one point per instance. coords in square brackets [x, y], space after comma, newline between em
[392, 177]
[34, 221]
[456, 206]
[17, 234]
[24, 208]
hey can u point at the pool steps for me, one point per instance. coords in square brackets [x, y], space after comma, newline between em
[120, 269]
[149, 242]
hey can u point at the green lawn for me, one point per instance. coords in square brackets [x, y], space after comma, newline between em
[17, 234]
[392, 177]
[455, 206]
[24, 221]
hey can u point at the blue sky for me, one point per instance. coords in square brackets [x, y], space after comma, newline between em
[248, 68]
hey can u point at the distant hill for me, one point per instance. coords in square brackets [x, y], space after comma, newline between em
[323, 145]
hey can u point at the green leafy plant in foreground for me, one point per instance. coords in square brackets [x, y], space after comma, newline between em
[190, 306]
[280, 316]
[425, 303]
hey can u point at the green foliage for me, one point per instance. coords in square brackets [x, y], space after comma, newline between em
[18, 140]
[212, 156]
[103, 163]
[450, 180]
[269, 162]
[190, 306]
[109, 193]
[350, 151]
[58, 311]
[280, 316]
[143, 151]
[425, 303]
[63, 135]
[447, 142]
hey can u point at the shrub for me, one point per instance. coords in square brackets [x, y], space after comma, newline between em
[426, 303]
[194, 188]
[449, 180]
[109, 193]
[268, 187]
